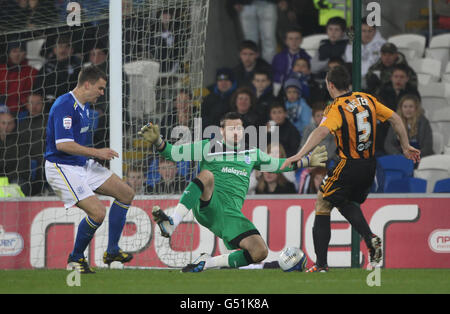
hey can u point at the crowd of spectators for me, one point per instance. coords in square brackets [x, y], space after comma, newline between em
[275, 83]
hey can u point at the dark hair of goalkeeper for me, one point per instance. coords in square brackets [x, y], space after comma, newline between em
[230, 116]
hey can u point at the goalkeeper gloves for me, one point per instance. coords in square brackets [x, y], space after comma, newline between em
[150, 133]
[317, 158]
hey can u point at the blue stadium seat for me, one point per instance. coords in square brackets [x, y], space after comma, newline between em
[22, 115]
[33, 167]
[406, 185]
[375, 188]
[392, 167]
[442, 186]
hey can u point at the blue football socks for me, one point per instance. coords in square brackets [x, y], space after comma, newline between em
[86, 231]
[117, 218]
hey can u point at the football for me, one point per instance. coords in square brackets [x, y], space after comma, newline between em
[291, 259]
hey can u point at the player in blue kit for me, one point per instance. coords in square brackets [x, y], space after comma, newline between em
[74, 175]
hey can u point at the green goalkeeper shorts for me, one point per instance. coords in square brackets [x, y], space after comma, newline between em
[225, 219]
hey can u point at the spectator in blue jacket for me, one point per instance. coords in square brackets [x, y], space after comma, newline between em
[298, 111]
[283, 62]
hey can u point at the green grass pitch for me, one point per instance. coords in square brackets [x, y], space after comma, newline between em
[226, 281]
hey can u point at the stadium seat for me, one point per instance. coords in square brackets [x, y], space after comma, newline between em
[34, 163]
[439, 49]
[435, 162]
[439, 114]
[34, 53]
[424, 78]
[442, 186]
[375, 188]
[432, 106]
[406, 185]
[433, 168]
[438, 143]
[446, 75]
[443, 126]
[311, 43]
[143, 76]
[34, 48]
[440, 41]
[440, 121]
[411, 45]
[441, 90]
[396, 162]
[435, 96]
[447, 148]
[440, 54]
[431, 175]
[22, 115]
[392, 167]
[427, 68]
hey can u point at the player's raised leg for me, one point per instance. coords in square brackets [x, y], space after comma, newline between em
[200, 188]
[123, 196]
[86, 229]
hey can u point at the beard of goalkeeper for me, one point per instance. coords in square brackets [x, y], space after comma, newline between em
[232, 131]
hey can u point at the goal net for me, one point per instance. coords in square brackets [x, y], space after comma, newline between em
[42, 50]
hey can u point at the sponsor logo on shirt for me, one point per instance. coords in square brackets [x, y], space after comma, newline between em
[67, 122]
[234, 171]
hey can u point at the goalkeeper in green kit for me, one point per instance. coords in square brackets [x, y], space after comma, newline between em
[218, 192]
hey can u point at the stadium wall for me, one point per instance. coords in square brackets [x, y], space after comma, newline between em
[39, 232]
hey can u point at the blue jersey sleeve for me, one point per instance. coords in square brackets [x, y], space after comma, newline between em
[63, 124]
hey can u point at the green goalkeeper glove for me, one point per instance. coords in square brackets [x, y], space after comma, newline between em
[317, 158]
[150, 133]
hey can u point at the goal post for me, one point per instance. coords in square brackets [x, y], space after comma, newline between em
[356, 83]
[115, 82]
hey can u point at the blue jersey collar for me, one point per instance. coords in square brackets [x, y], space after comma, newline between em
[78, 102]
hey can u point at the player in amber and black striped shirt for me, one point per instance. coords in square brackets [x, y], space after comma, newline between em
[352, 118]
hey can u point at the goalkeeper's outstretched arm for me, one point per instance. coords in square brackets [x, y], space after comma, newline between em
[186, 152]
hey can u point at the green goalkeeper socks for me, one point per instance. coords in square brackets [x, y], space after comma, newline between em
[239, 258]
[191, 196]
